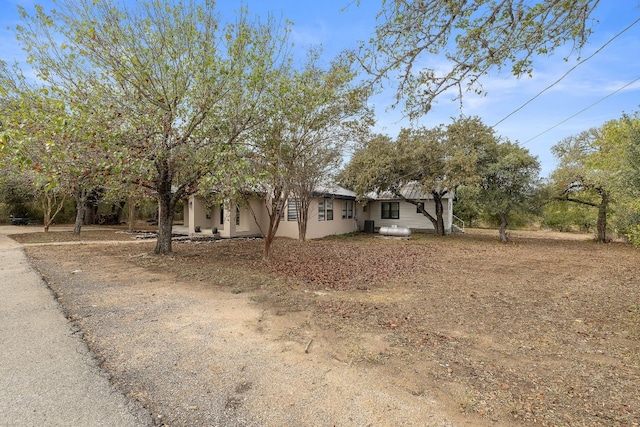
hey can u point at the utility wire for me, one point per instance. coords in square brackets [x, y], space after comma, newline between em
[583, 110]
[570, 70]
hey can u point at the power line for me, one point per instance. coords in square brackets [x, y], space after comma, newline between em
[583, 110]
[567, 73]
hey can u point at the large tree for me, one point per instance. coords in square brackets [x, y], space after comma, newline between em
[599, 168]
[578, 178]
[433, 161]
[57, 147]
[508, 176]
[186, 86]
[312, 113]
[327, 113]
[473, 37]
[622, 158]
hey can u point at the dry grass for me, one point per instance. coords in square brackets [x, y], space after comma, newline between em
[543, 330]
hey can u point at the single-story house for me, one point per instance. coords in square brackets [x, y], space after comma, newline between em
[386, 209]
[333, 210]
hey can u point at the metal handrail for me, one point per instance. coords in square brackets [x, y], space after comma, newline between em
[461, 221]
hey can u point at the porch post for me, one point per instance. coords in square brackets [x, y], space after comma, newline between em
[197, 214]
[186, 211]
[229, 229]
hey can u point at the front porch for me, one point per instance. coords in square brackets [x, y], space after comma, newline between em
[228, 218]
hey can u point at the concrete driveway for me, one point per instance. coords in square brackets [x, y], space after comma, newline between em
[48, 377]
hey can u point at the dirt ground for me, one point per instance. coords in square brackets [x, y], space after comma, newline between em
[361, 330]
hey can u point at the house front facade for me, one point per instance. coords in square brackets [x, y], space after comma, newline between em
[333, 210]
[386, 209]
[388, 212]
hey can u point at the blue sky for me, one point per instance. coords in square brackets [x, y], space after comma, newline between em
[595, 81]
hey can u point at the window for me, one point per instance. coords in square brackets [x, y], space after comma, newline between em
[325, 210]
[279, 210]
[237, 215]
[292, 210]
[221, 214]
[390, 210]
[419, 206]
[347, 209]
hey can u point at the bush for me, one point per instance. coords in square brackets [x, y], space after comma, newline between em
[633, 235]
[567, 216]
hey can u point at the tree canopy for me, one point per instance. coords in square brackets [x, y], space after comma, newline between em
[312, 114]
[622, 159]
[60, 148]
[508, 177]
[184, 86]
[473, 36]
[437, 160]
[599, 168]
[577, 178]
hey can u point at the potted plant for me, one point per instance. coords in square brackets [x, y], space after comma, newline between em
[197, 228]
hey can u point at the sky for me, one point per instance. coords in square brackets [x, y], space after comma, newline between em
[600, 89]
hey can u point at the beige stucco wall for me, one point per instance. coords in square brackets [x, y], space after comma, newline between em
[363, 214]
[317, 229]
[185, 212]
[247, 225]
[196, 214]
[287, 228]
[196, 211]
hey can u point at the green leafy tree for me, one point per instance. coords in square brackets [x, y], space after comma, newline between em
[17, 195]
[51, 143]
[437, 161]
[186, 86]
[579, 177]
[328, 111]
[622, 158]
[313, 112]
[561, 216]
[508, 182]
[468, 206]
[475, 37]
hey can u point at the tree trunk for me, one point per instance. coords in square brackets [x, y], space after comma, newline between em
[438, 221]
[120, 210]
[274, 223]
[503, 228]
[90, 213]
[81, 205]
[46, 209]
[603, 207]
[439, 224]
[266, 249]
[132, 214]
[51, 206]
[274, 206]
[602, 218]
[303, 217]
[166, 206]
[165, 224]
